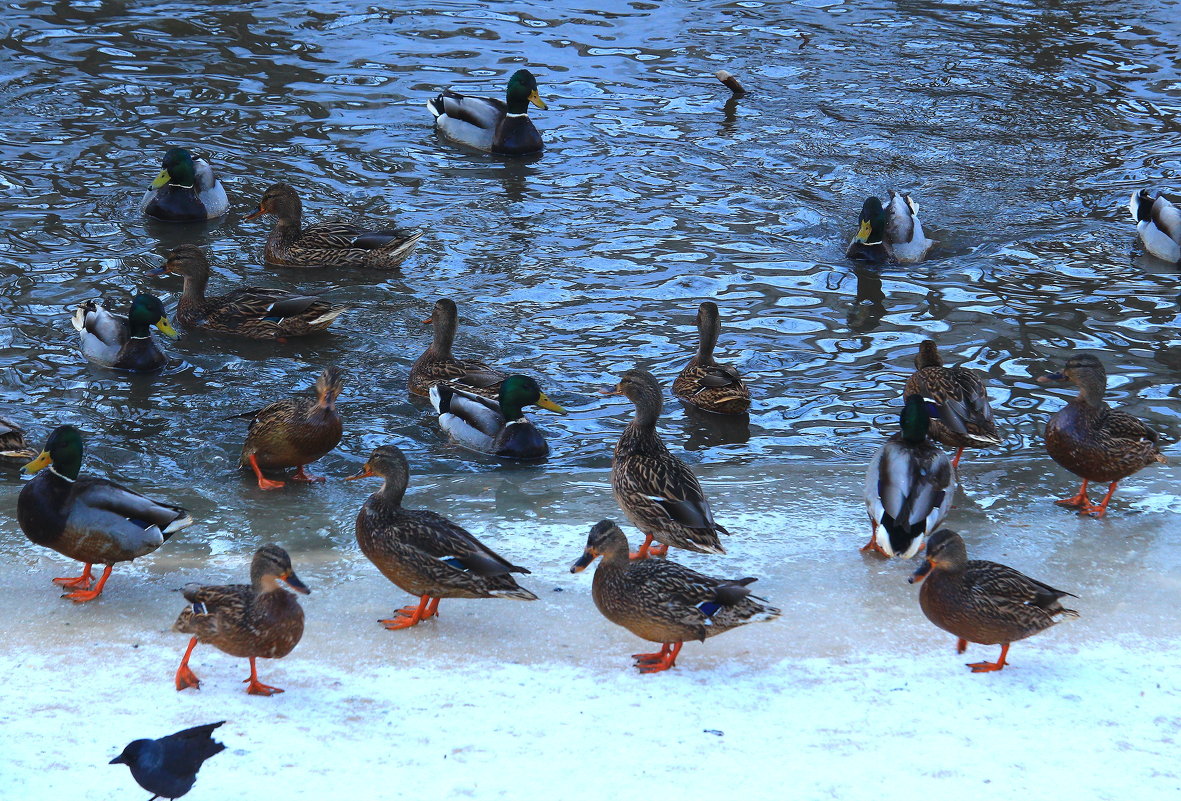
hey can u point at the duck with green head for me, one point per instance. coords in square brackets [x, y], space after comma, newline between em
[93, 520]
[490, 124]
[186, 190]
[889, 233]
[124, 343]
[497, 427]
[909, 486]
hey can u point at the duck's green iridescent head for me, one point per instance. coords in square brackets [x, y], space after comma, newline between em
[519, 391]
[179, 169]
[63, 450]
[915, 419]
[522, 90]
[872, 222]
[146, 311]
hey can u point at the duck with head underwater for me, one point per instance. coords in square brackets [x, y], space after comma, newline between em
[186, 190]
[124, 343]
[909, 486]
[890, 233]
[93, 520]
[489, 124]
[497, 427]
[1159, 224]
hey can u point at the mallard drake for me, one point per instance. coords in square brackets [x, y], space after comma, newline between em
[962, 417]
[89, 519]
[983, 602]
[498, 427]
[424, 553]
[186, 190]
[254, 620]
[704, 383]
[1159, 223]
[489, 124]
[1092, 440]
[12, 442]
[124, 343]
[909, 486]
[251, 311]
[662, 601]
[327, 244]
[437, 364]
[168, 767]
[890, 233]
[656, 490]
[294, 432]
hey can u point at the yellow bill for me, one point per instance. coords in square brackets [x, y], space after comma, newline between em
[536, 100]
[161, 179]
[546, 403]
[166, 328]
[42, 461]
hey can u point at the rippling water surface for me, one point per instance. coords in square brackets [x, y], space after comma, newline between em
[1021, 129]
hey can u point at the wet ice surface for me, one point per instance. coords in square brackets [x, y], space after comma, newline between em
[851, 692]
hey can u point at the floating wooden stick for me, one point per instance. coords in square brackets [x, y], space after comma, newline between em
[731, 82]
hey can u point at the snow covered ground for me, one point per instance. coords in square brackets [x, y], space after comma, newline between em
[852, 694]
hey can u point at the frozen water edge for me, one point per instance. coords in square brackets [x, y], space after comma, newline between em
[851, 694]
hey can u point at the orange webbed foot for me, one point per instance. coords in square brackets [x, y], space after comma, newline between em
[186, 678]
[268, 484]
[82, 596]
[873, 547]
[985, 667]
[77, 582]
[256, 687]
[409, 616]
[301, 475]
[658, 551]
[655, 663]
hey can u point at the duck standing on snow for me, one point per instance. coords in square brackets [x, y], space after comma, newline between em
[1159, 224]
[489, 124]
[1092, 440]
[437, 363]
[704, 383]
[424, 553]
[656, 490]
[983, 602]
[497, 427]
[186, 190]
[327, 244]
[124, 343]
[662, 601]
[890, 233]
[962, 417]
[89, 519]
[168, 766]
[294, 432]
[909, 486]
[255, 620]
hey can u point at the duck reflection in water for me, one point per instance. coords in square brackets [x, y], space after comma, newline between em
[706, 430]
[869, 306]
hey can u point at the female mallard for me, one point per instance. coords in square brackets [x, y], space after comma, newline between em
[1092, 440]
[12, 442]
[124, 343]
[704, 383]
[662, 601]
[656, 490]
[983, 602]
[498, 427]
[424, 553]
[909, 486]
[89, 519]
[1159, 223]
[489, 124]
[252, 311]
[294, 432]
[327, 244]
[890, 233]
[962, 417]
[186, 190]
[254, 620]
[436, 364]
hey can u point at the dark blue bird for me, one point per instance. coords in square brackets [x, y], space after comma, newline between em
[168, 767]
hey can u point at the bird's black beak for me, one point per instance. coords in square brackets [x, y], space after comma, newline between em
[117, 761]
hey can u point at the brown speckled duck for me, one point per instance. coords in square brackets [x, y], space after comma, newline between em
[438, 364]
[422, 552]
[1092, 440]
[252, 311]
[962, 417]
[662, 601]
[656, 490]
[983, 602]
[256, 620]
[704, 383]
[12, 443]
[327, 244]
[294, 432]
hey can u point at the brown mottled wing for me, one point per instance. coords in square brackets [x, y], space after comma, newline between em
[1120, 424]
[1012, 593]
[439, 538]
[671, 485]
[342, 236]
[211, 604]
